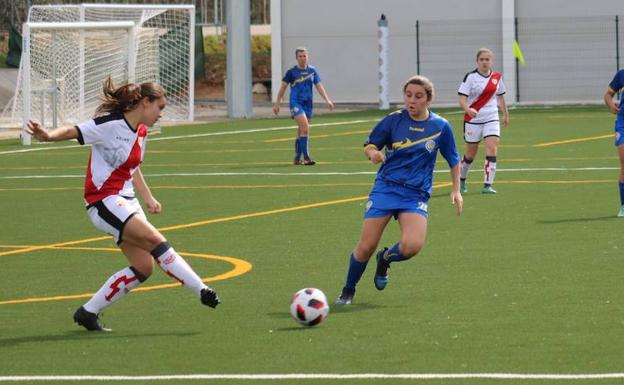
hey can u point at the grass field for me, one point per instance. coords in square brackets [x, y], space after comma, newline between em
[526, 282]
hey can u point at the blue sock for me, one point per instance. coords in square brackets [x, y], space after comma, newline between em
[297, 148]
[621, 192]
[303, 143]
[394, 255]
[356, 269]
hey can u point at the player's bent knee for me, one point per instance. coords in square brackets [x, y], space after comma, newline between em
[155, 238]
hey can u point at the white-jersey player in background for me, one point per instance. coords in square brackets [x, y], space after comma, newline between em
[118, 136]
[480, 96]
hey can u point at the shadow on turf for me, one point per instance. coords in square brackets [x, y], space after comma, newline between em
[84, 335]
[605, 218]
[335, 309]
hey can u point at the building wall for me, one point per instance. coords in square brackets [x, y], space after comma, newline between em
[342, 39]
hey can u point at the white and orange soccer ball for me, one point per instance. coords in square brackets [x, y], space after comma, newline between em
[309, 306]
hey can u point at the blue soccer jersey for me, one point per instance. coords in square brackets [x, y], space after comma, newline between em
[616, 85]
[411, 149]
[301, 81]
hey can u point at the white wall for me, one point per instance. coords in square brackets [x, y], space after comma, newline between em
[342, 39]
[341, 36]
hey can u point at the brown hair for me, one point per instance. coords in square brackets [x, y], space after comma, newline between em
[300, 49]
[127, 97]
[421, 81]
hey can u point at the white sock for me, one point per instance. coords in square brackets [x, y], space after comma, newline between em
[113, 289]
[464, 167]
[489, 170]
[176, 267]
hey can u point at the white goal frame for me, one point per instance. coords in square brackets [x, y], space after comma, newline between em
[146, 20]
[28, 28]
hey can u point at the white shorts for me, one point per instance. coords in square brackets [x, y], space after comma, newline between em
[474, 132]
[111, 214]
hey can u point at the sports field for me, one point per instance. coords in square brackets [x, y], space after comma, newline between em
[524, 288]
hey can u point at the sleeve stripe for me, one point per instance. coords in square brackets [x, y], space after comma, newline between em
[80, 138]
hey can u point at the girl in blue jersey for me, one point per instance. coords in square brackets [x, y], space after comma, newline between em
[412, 138]
[301, 78]
[614, 87]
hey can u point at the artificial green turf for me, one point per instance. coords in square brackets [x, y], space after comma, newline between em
[526, 281]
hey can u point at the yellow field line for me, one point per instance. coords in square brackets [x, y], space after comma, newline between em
[215, 187]
[240, 267]
[202, 223]
[51, 246]
[263, 213]
[547, 144]
[189, 225]
[547, 181]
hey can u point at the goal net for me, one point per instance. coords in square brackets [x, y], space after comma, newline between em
[69, 50]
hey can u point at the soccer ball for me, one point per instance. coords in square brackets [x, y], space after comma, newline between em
[309, 306]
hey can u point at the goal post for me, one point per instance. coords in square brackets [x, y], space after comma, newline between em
[163, 49]
[54, 58]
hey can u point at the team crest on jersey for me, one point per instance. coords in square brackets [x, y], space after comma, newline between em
[495, 81]
[430, 145]
[369, 204]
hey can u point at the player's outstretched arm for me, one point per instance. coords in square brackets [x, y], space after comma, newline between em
[456, 198]
[35, 129]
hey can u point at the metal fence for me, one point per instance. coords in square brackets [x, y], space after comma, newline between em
[568, 60]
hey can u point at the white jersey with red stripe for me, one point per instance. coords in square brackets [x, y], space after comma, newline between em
[117, 150]
[472, 86]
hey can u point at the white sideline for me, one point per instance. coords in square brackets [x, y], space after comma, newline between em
[231, 132]
[319, 376]
[338, 173]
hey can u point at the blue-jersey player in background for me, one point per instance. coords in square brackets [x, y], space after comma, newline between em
[301, 78]
[614, 87]
[412, 138]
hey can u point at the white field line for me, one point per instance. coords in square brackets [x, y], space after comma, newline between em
[319, 376]
[231, 132]
[354, 173]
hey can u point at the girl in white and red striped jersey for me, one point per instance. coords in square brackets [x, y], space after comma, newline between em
[480, 97]
[118, 136]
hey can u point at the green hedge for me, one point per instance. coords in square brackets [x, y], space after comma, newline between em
[216, 59]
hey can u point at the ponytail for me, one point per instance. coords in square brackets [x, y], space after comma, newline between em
[127, 97]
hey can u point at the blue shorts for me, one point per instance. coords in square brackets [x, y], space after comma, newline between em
[619, 131]
[298, 107]
[391, 199]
